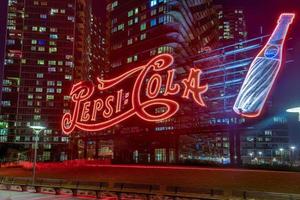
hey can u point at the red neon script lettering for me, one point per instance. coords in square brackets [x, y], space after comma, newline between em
[117, 108]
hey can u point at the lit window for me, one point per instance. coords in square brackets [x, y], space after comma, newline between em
[129, 60]
[50, 90]
[42, 29]
[52, 43]
[130, 13]
[53, 29]
[153, 22]
[40, 62]
[71, 18]
[38, 89]
[69, 63]
[33, 42]
[50, 83]
[68, 77]
[53, 11]
[52, 49]
[153, 12]
[53, 36]
[51, 69]
[41, 42]
[136, 20]
[40, 75]
[114, 4]
[153, 3]
[43, 16]
[6, 103]
[121, 27]
[29, 103]
[143, 36]
[130, 41]
[52, 62]
[10, 42]
[130, 22]
[41, 49]
[50, 97]
[34, 28]
[136, 10]
[135, 58]
[6, 89]
[143, 26]
[153, 52]
[37, 117]
[161, 9]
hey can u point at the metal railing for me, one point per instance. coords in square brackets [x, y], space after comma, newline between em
[147, 191]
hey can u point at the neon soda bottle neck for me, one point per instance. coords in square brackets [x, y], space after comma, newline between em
[280, 32]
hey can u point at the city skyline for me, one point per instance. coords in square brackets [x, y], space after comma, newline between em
[149, 99]
[133, 36]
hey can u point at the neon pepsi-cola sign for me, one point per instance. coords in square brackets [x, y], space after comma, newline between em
[91, 114]
[151, 93]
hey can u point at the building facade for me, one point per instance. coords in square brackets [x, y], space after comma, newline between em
[138, 31]
[98, 46]
[232, 25]
[44, 47]
[189, 30]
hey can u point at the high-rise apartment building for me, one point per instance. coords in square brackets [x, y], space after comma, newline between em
[138, 31]
[232, 25]
[81, 42]
[98, 61]
[45, 49]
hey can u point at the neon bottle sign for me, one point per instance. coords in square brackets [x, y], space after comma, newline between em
[263, 71]
[95, 114]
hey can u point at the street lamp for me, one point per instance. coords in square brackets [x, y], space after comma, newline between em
[260, 156]
[294, 110]
[36, 130]
[292, 154]
[251, 156]
[281, 154]
[293, 148]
